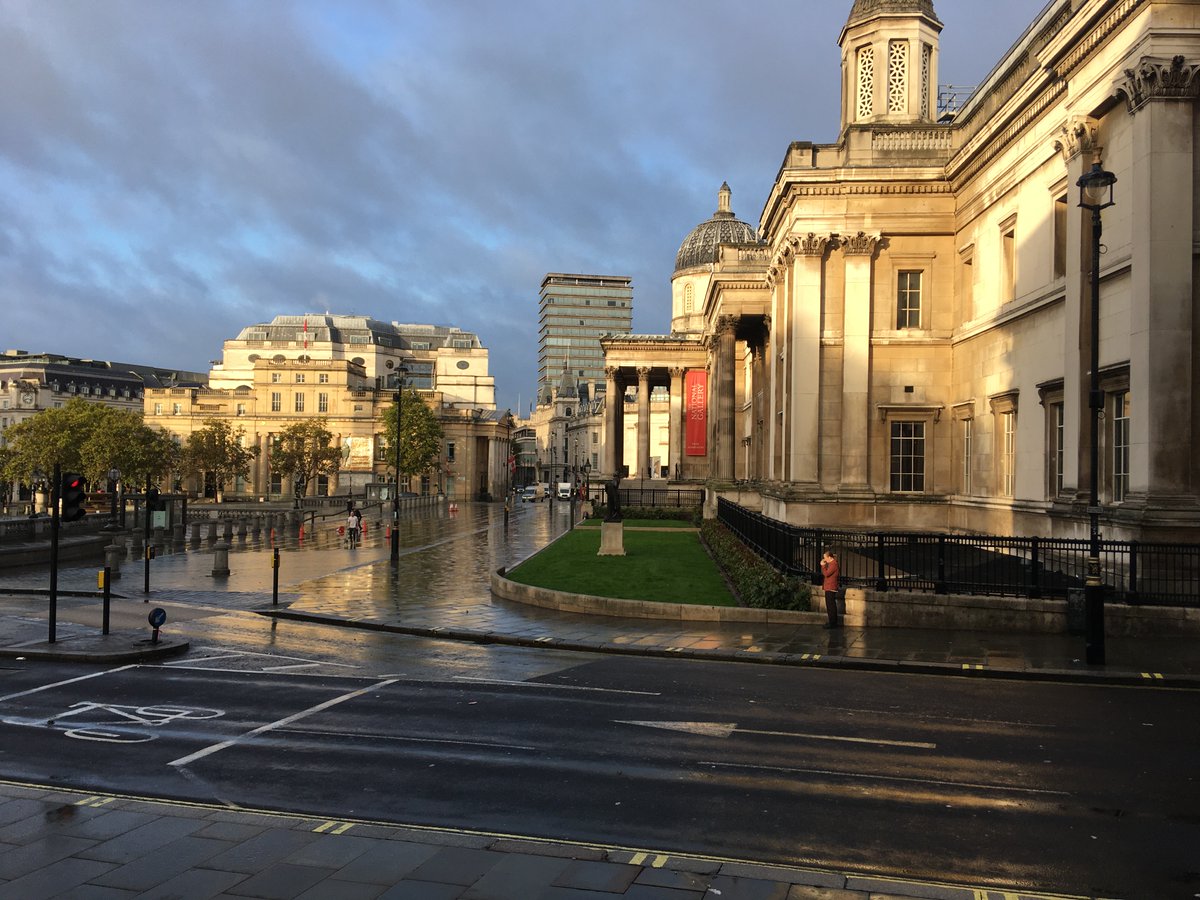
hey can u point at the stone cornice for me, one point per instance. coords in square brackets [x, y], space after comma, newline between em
[1159, 79]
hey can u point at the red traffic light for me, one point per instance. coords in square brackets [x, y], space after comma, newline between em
[73, 498]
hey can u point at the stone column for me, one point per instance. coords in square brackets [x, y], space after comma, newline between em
[643, 424]
[803, 417]
[778, 278]
[614, 415]
[1164, 349]
[758, 406]
[856, 361]
[675, 431]
[726, 326]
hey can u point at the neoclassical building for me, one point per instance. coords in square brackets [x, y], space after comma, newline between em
[345, 370]
[904, 339]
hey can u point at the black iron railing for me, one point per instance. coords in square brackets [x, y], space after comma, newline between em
[1135, 572]
[651, 497]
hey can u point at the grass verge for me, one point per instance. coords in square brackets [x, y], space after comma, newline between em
[657, 566]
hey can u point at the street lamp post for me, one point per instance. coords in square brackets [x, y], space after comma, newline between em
[114, 475]
[551, 485]
[1095, 193]
[396, 490]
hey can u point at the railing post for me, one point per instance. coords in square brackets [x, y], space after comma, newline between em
[939, 586]
[1133, 572]
[1035, 569]
[881, 578]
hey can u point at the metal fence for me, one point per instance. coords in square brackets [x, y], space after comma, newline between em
[1135, 572]
[651, 497]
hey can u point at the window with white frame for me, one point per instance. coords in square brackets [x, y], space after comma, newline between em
[1004, 409]
[299, 378]
[322, 403]
[908, 299]
[322, 378]
[299, 403]
[967, 434]
[276, 401]
[907, 468]
[1120, 445]
[276, 377]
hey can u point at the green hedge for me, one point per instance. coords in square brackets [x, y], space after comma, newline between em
[691, 514]
[756, 581]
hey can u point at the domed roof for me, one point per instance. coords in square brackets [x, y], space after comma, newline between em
[866, 9]
[700, 247]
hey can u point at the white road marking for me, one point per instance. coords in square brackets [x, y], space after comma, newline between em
[48, 687]
[556, 687]
[280, 723]
[874, 777]
[358, 735]
[725, 729]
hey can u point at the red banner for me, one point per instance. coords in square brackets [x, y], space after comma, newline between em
[695, 412]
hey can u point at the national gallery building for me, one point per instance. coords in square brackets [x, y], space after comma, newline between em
[912, 336]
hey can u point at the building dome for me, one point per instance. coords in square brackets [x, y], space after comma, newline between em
[700, 247]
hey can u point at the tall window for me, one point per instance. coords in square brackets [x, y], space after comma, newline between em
[1058, 448]
[450, 451]
[322, 403]
[1120, 454]
[897, 76]
[865, 101]
[241, 409]
[908, 300]
[299, 403]
[968, 426]
[1008, 262]
[689, 298]
[276, 401]
[1060, 236]
[1008, 452]
[908, 457]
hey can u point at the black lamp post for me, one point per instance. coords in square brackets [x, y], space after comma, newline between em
[114, 475]
[396, 490]
[587, 480]
[552, 484]
[1095, 193]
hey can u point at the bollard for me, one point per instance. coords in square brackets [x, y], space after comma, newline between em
[227, 530]
[112, 559]
[212, 530]
[157, 536]
[220, 560]
[105, 585]
[178, 530]
[197, 529]
[241, 529]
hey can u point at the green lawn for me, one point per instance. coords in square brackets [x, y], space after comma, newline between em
[657, 565]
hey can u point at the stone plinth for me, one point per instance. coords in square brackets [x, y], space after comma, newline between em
[612, 539]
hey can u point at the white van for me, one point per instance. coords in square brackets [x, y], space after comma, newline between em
[563, 491]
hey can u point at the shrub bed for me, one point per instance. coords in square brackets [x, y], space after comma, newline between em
[755, 581]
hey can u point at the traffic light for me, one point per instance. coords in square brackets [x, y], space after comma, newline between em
[73, 497]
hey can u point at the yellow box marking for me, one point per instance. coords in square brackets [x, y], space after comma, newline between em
[343, 828]
[1153, 676]
[972, 667]
[659, 862]
[638, 858]
[95, 801]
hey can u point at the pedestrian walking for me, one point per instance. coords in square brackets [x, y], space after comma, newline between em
[829, 580]
[353, 526]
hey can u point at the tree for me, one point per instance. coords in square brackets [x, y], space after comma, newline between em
[421, 438]
[306, 450]
[88, 438]
[218, 449]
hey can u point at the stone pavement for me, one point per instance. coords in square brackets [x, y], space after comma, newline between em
[62, 843]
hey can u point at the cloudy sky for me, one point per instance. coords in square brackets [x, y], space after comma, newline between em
[172, 171]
